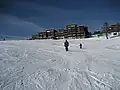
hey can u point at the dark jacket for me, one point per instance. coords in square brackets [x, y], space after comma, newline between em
[80, 45]
[66, 44]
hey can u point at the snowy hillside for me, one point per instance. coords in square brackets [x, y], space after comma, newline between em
[11, 37]
[44, 65]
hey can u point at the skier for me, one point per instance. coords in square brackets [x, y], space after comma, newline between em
[3, 39]
[80, 46]
[66, 44]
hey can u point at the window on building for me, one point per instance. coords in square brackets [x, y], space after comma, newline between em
[114, 33]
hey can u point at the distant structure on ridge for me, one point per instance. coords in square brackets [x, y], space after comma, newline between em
[70, 31]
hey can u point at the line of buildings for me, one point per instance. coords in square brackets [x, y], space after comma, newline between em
[70, 31]
[75, 31]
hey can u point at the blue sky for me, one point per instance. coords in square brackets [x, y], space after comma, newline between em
[26, 17]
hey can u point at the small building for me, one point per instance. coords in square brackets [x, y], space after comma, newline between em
[82, 31]
[48, 34]
[60, 33]
[42, 35]
[71, 31]
[114, 30]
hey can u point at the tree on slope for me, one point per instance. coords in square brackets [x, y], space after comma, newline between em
[54, 34]
[106, 26]
[118, 28]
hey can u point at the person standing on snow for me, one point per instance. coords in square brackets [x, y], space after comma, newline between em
[66, 44]
[80, 46]
[3, 39]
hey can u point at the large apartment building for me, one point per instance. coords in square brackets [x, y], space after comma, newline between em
[70, 31]
[75, 31]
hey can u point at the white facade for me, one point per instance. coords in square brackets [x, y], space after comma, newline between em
[114, 34]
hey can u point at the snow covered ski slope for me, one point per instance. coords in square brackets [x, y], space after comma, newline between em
[45, 65]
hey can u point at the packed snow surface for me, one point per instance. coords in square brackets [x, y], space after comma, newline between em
[45, 65]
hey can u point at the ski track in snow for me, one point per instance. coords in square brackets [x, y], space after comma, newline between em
[44, 65]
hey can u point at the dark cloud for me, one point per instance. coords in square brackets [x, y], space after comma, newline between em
[86, 5]
[77, 4]
[11, 25]
[114, 4]
[30, 15]
[69, 4]
[5, 5]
